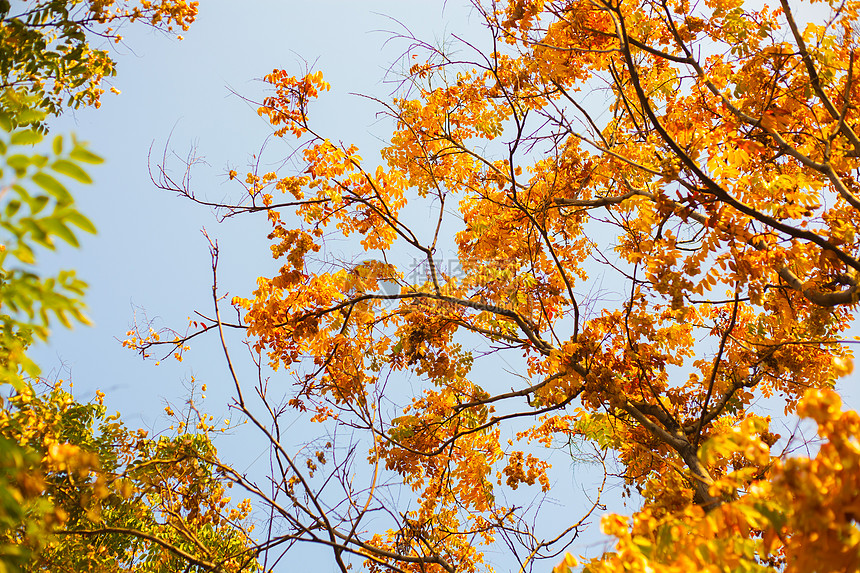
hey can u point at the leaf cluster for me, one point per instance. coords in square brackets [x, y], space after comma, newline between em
[652, 209]
[92, 495]
[49, 54]
[37, 211]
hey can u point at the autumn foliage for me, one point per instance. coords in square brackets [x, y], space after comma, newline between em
[652, 207]
[49, 61]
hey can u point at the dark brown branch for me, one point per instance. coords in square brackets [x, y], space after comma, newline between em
[711, 186]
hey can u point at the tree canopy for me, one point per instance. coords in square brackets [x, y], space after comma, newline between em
[51, 57]
[652, 207]
[645, 211]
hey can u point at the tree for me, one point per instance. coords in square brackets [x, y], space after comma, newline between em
[653, 207]
[48, 57]
[84, 493]
[78, 490]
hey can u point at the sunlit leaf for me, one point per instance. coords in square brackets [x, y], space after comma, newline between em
[71, 170]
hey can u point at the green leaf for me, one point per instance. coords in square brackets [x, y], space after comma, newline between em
[21, 191]
[85, 155]
[37, 231]
[5, 121]
[25, 254]
[80, 221]
[28, 116]
[61, 315]
[39, 160]
[38, 203]
[18, 162]
[54, 187]
[26, 137]
[12, 208]
[776, 518]
[71, 170]
[14, 231]
[58, 145]
[56, 227]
